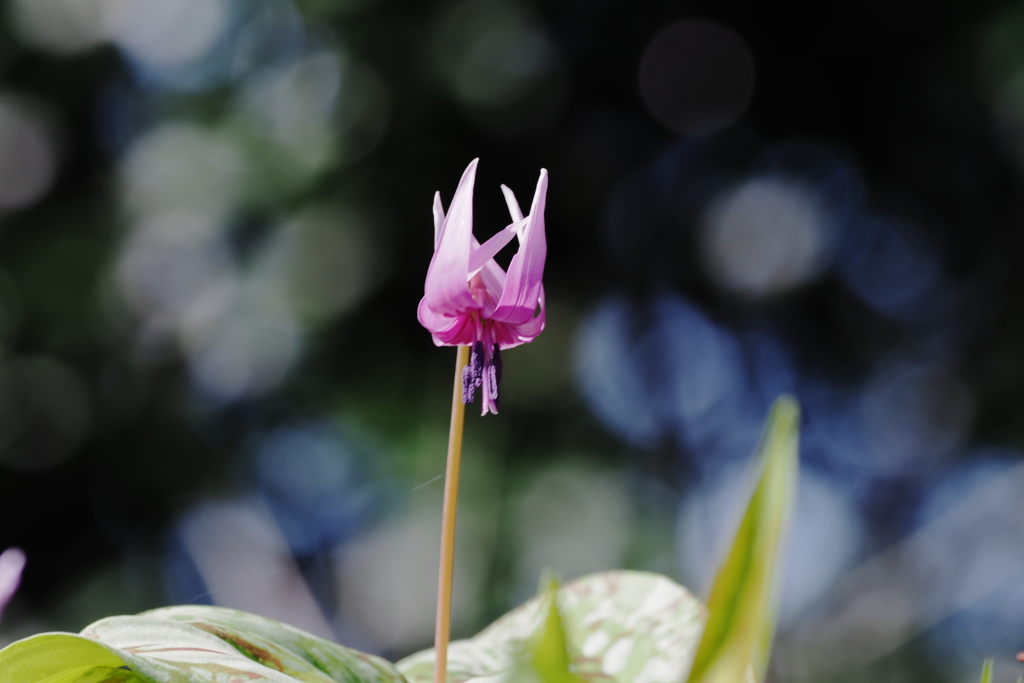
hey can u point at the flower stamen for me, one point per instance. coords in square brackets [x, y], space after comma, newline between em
[472, 374]
[482, 372]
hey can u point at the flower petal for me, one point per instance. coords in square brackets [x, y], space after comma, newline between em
[438, 218]
[494, 282]
[489, 249]
[519, 297]
[512, 336]
[446, 330]
[12, 561]
[513, 205]
[446, 291]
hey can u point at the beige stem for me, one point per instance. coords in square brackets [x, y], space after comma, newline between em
[442, 628]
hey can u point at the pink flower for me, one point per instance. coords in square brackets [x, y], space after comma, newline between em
[469, 300]
[12, 561]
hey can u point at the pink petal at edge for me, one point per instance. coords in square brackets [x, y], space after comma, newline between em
[438, 218]
[12, 562]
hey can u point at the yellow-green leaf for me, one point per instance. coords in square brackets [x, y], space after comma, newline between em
[548, 652]
[986, 671]
[738, 636]
[59, 658]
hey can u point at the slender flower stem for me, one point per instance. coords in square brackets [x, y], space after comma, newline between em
[442, 628]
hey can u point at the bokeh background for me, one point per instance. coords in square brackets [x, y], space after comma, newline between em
[214, 227]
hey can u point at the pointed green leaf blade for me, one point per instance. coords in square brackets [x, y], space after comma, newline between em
[986, 671]
[547, 658]
[738, 637]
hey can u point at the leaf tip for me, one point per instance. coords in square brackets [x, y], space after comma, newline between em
[786, 410]
[986, 671]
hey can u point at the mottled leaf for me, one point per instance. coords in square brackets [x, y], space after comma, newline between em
[742, 605]
[285, 648]
[629, 627]
[189, 645]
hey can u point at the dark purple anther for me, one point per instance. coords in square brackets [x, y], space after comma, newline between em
[482, 367]
[472, 374]
[496, 360]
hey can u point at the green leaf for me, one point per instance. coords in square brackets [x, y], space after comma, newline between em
[742, 605]
[60, 658]
[547, 655]
[629, 627]
[986, 671]
[164, 651]
[188, 645]
[284, 648]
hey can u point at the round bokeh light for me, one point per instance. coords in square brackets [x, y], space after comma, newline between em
[696, 77]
